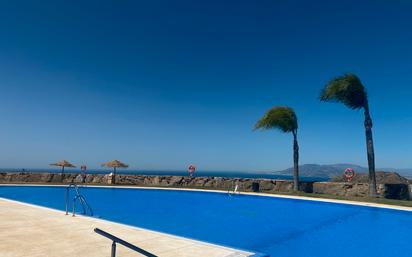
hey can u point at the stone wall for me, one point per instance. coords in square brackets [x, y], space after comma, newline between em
[341, 188]
[392, 191]
[245, 184]
[54, 178]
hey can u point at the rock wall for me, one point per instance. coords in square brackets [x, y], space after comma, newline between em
[382, 177]
[341, 188]
[54, 178]
[392, 191]
[244, 184]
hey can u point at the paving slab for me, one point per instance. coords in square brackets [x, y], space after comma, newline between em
[29, 230]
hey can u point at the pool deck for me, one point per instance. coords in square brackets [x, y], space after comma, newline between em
[29, 230]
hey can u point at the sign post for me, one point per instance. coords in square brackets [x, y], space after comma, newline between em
[83, 169]
[191, 169]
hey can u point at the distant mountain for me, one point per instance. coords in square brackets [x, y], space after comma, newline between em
[323, 171]
[407, 173]
[334, 170]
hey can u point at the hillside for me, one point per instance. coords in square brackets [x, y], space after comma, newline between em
[326, 171]
[336, 170]
[381, 177]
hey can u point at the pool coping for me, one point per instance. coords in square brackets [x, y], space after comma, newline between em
[307, 198]
[233, 249]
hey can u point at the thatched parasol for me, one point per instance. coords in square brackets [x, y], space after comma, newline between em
[63, 164]
[115, 164]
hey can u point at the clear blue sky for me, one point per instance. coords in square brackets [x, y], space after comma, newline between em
[160, 84]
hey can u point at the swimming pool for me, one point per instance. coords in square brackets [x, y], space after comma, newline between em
[276, 226]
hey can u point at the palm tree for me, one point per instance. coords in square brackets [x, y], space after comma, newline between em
[348, 89]
[284, 119]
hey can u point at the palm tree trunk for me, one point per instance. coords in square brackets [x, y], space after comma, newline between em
[295, 162]
[370, 152]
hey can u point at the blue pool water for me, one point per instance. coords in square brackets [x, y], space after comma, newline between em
[276, 226]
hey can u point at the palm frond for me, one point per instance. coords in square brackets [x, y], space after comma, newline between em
[346, 89]
[281, 117]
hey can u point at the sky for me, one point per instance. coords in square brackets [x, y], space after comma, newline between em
[161, 84]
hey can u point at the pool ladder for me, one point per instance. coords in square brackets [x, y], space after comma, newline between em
[233, 189]
[77, 196]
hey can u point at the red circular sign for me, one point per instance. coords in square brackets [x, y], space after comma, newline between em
[192, 168]
[349, 173]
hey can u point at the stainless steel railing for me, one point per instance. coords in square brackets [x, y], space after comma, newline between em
[77, 196]
[122, 242]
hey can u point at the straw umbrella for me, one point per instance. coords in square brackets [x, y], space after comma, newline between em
[63, 163]
[115, 164]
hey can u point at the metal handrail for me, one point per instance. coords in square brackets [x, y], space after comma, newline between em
[122, 242]
[79, 196]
